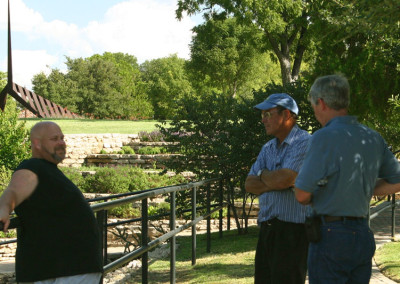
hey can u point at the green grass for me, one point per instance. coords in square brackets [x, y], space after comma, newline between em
[97, 126]
[231, 260]
[388, 260]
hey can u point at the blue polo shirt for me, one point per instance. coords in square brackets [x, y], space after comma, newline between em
[343, 162]
[282, 204]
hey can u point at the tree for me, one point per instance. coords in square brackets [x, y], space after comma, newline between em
[14, 138]
[101, 86]
[166, 82]
[58, 88]
[369, 58]
[228, 57]
[284, 25]
[220, 136]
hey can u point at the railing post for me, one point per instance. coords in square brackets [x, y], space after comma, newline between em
[173, 239]
[194, 226]
[393, 216]
[101, 217]
[221, 200]
[228, 225]
[208, 218]
[145, 217]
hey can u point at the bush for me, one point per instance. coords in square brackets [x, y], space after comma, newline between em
[154, 136]
[148, 150]
[124, 179]
[160, 209]
[126, 150]
[108, 180]
[5, 177]
[125, 211]
[14, 138]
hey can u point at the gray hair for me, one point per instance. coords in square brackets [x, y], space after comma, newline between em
[333, 89]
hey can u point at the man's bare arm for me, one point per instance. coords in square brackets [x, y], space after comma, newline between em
[22, 185]
[270, 180]
[382, 187]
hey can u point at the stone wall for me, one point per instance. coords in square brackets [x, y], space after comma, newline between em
[79, 146]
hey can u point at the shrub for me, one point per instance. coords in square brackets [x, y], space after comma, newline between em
[5, 177]
[125, 179]
[127, 150]
[14, 138]
[125, 211]
[154, 136]
[148, 150]
[160, 209]
[107, 180]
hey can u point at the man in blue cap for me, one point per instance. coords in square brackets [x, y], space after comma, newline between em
[281, 255]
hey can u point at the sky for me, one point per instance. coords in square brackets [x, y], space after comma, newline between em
[44, 32]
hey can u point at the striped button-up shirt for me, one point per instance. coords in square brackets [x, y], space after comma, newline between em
[282, 204]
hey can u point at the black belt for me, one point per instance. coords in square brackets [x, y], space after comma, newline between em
[340, 218]
[270, 222]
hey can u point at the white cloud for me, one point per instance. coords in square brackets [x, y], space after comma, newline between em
[27, 63]
[146, 29]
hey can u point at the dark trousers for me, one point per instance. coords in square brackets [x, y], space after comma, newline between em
[281, 255]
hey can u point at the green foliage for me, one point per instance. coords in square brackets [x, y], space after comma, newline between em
[160, 209]
[124, 211]
[108, 180]
[229, 58]
[148, 150]
[9, 234]
[124, 179]
[127, 150]
[153, 136]
[5, 177]
[285, 25]
[14, 137]
[166, 82]
[101, 86]
[220, 136]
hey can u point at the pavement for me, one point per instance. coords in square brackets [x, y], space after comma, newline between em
[380, 225]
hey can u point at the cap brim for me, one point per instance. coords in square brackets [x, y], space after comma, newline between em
[265, 105]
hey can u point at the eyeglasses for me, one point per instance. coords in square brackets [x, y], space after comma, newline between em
[267, 114]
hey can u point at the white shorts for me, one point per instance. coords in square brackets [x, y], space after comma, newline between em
[89, 278]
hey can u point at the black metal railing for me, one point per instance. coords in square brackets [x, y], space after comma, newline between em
[101, 210]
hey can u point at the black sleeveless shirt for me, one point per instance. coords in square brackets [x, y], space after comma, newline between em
[58, 235]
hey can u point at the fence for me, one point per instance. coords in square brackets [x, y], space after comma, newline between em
[101, 214]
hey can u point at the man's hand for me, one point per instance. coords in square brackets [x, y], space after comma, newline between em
[302, 196]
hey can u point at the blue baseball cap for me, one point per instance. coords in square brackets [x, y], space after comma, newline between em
[283, 100]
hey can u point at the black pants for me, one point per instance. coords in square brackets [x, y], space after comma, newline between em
[281, 255]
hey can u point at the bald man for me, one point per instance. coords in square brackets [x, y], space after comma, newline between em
[58, 239]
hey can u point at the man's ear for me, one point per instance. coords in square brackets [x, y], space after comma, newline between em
[35, 143]
[323, 104]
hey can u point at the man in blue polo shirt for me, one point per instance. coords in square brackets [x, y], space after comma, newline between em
[281, 255]
[338, 178]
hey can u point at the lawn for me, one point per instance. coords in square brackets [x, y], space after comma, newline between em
[231, 260]
[388, 260]
[96, 126]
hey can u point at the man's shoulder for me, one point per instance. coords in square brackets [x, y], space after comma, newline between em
[297, 134]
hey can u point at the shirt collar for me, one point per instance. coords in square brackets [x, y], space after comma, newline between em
[342, 119]
[290, 138]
